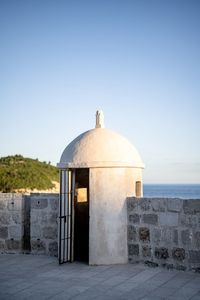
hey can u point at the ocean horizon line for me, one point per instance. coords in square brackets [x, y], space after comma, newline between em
[170, 183]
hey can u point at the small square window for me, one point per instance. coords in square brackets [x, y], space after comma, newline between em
[138, 189]
[81, 195]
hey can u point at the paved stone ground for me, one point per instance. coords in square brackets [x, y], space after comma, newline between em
[40, 277]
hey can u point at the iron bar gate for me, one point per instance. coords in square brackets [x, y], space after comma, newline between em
[66, 217]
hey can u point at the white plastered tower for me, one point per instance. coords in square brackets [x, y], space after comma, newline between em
[115, 173]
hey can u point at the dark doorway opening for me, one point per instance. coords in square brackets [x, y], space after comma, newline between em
[81, 215]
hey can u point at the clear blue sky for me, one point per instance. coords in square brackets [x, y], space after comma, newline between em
[139, 61]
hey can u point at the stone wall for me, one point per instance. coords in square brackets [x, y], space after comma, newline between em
[11, 222]
[28, 223]
[44, 224]
[161, 231]
[164, 232]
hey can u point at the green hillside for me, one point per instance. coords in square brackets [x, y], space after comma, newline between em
[18, 172]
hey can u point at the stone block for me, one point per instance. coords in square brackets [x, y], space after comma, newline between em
[194, 256]
[40, 217]
[144, 204]
[180, 268]
[186, 237]
[156, 235]
[35, 217]
[191, 206]
[168, 266]
[39, 203]
[144, 234]
[158, 204]
[133, 249]
[38, 246]
[134, 218]
[178, 254]
[2, 204]
[167, 235]
[132, 234]
[53, 249]
[169, 219]
[2, 245]
[15, 203]
[196, 269]
[15, 232]
[36, 231]
[161, 253]
[5, 218]
[150, 219]
[189, 220]
[13, 244]
[54, 203]
[146, 251]
[151, 264]
[17, 217]
[174, 205]
[3, 232]
[197, 239]
[49, 232]
[53, 218]
[131, 204]
[175, 236]
[5, 196]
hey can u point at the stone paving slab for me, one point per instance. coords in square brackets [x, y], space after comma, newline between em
[32, 277]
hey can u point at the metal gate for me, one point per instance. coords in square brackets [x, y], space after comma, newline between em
[66, 216]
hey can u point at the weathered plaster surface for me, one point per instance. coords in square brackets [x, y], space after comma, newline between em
[109, 188]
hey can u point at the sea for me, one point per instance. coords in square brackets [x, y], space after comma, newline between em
[185, 191]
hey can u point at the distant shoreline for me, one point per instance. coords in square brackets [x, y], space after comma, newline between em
[172, 190]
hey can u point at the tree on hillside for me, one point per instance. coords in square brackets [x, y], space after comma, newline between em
[18, 172]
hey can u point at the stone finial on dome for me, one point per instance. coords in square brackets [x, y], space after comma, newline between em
[99, 119]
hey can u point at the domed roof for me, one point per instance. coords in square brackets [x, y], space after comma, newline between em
[100, 147]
